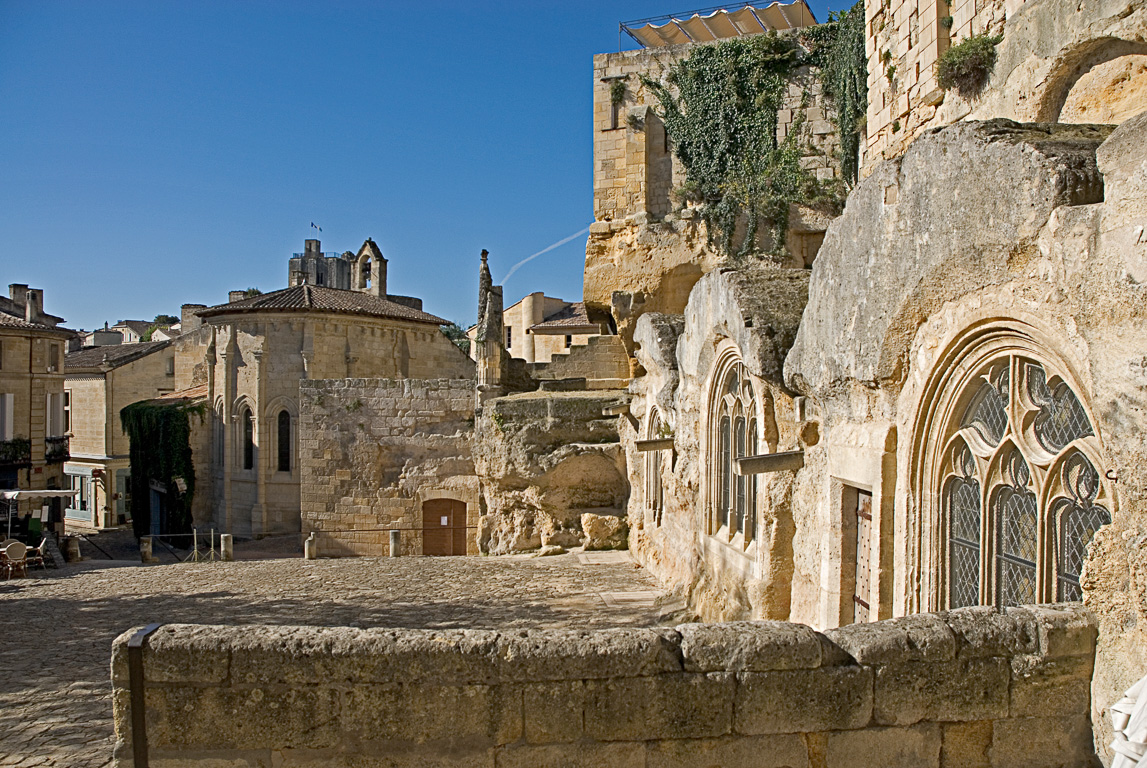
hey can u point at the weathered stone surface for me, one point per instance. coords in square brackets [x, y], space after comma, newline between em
[795, 701]
[583, 755]
[1042, 742]
[966, 689]
[780, 751]
[915, 747]
[604, 531]
[983, 631]
[912, 638]
[680, 706]
[545, 460]
[745, 646]
[966, 745]
[1042, 685]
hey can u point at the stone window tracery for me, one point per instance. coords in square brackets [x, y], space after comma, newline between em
[1020, 486]
[734, 417]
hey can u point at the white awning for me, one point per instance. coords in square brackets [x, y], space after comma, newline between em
[45, 494]
[720, 24]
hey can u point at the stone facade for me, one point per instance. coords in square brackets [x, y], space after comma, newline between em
[1056, 63]
[252, 354]
[970, 687]
[100, 382]
[393, 445]
[33, 433]
[645, 250]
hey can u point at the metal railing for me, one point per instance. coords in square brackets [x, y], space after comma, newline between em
[16, 452]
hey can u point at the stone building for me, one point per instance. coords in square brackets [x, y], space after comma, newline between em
[1083, 63]
[33, 418]
[251, 354]
[538, 327]
[647, 247]
[99, 383]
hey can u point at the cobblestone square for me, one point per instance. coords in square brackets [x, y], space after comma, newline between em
[55, 707]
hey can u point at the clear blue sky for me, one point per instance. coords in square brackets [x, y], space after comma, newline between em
[159, 153]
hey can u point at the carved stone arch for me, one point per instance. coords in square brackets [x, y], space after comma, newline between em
[1073, 64]
[994, 393]
[241, 402]
[363, 270]
[271, 410]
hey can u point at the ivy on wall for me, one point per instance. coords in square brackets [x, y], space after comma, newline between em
[160, 435]
[720, 108]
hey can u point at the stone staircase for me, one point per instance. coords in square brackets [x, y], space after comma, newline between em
[602, 362]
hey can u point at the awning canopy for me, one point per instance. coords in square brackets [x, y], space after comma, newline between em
[46, 494]
[718, 23]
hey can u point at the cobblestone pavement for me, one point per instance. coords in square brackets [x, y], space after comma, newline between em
[55, 707]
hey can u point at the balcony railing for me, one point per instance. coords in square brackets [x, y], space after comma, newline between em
[56, 449]
[16, 452]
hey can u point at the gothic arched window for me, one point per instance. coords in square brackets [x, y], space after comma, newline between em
[654, 490]
[284, 441]
[733, 416]
[1021, 489]
[248, 439]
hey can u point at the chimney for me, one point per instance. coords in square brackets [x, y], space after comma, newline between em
[34, 305]
[18, 293]
[188, 320]
[234, 296]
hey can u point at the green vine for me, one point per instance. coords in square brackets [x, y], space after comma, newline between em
[837, 49]
[616, 92]
[720, 110]
[160, 435]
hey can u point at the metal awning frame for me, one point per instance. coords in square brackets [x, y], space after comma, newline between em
[676, 18]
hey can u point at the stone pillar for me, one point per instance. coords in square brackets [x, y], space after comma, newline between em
[489, 338]
[395, 543]
[534, 311]
[226, 548]
[311, 547]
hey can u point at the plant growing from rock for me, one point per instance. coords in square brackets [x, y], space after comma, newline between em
[967, 65]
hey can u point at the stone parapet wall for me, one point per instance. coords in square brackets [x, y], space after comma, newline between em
[602, 361]
[970, 687]
[373, 450]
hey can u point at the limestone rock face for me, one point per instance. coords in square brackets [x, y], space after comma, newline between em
[757, 309]
[604, 531]
[925, 229]
[657, 263]
[546, 459]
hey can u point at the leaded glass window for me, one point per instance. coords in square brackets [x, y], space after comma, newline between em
[734, 418]
[1020, 493]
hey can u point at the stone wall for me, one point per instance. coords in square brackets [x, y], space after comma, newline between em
[971, 687]
[1076, 63]
[602, 361]
[645, 250]
[372, 451]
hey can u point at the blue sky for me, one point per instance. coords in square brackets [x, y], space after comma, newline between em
[159, 153]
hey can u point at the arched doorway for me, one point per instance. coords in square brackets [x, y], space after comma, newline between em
[443, 527]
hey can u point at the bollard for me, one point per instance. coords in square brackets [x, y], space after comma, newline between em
[226, 549]
[144, 549]
[310, 547]
[72, 549]
[395, 543]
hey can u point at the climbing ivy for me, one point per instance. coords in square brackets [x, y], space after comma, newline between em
[720, 108]
[160, 435]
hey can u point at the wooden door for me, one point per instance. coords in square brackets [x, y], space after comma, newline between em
[443, 527]
[863, 548]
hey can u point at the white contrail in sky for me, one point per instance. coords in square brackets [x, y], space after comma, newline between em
[547, 249]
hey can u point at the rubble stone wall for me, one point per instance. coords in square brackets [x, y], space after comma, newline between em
[373, 450]
[970, 687]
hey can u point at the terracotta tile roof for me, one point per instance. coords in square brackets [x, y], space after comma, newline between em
[114, 355]
[17, 321]
[572, 316]
[189, 395]
[317, 298]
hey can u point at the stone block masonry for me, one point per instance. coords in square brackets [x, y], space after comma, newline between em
[969, 687]
[373, 451]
